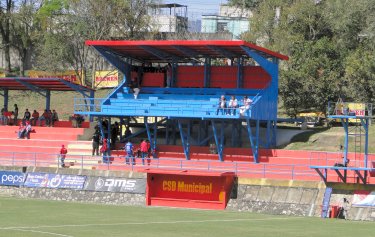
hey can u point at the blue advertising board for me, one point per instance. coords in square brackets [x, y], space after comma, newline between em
[12, 178]
[43, 180]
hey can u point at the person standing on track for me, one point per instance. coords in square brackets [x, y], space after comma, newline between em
[63, 152]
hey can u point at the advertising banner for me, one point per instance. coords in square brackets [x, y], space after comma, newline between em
[12, 178]
[106, 79]
[43, 180]
[117, 185]
[364, 199]
[70, 75]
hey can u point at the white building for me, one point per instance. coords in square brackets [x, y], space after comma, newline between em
[229, 19]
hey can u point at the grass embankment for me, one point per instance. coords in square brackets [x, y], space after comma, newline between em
[329, 139]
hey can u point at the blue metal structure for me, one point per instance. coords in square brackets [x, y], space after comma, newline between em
[183, 107]
[355, 119]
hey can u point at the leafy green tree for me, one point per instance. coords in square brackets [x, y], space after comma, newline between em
[25, 30]
[6, 7]
[70, 23]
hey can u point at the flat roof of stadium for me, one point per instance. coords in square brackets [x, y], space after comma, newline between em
[180, 50]
[51, 84]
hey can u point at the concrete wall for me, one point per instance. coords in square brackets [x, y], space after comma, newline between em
[278, 197]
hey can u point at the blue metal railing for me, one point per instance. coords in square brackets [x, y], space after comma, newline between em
[149, 107]
[262, 170]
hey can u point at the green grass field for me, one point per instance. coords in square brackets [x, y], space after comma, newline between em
[32, 218]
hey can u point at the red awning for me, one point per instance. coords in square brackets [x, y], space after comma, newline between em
[51, 84]
[182, 49]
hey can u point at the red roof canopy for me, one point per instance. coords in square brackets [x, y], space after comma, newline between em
[182, 49]
[51, 84]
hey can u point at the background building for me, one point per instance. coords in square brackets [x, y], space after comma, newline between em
[230, 19]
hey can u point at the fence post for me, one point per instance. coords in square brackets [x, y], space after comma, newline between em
[81, 163]
[292, 172]
[13, 159]
[264, 170]
[35, 159]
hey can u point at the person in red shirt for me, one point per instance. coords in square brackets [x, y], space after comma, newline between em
[34, 117]
[63, 152]
[104, 151]
[144, 150]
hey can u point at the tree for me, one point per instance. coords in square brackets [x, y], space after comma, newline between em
[25, 30]
[75, 21]
[5, 15]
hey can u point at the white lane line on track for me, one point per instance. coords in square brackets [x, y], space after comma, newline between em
[40, 232]
[146, 223]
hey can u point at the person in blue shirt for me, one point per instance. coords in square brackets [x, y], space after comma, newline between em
[129, 152]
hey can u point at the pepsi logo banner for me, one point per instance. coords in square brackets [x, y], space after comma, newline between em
[12, 178]
[117, 185]
[43, 180]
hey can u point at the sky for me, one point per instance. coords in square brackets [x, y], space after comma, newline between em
[196, 8]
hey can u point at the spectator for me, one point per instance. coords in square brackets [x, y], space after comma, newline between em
[34, 118]
[45, 117]
[21, 131]
[26, 116]
[63, 152]
[129, 153]
[28, 129]
[233, 105]
[54, 117]
[246, 105]
[15, 114]
[128, 132]
[3, 117]
[77, 120]
[104, 150]
[136, 90]
[222, 106]
[95, 143]
[144, 150]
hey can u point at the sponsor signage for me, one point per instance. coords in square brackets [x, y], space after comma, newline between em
[42, 180]
[110, 184]
[12, 178]
[69, 75]
[106, 79]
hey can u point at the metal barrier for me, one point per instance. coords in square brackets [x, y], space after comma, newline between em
[293, 172]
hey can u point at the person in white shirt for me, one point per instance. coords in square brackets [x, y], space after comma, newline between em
[233, 105]
[222, 106]
[246, 105]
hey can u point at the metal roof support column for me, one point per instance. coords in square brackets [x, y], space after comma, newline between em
[268, 134]
[184, 140]
[207, 72]
[217, 141]
[240, 73]
[109, 138]
[254, 147]
[365, 124]
[167, 126]
[345, 124]
[153, 144]
[174, 75]
[92, 105]
[6, 98]
[48, 99]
